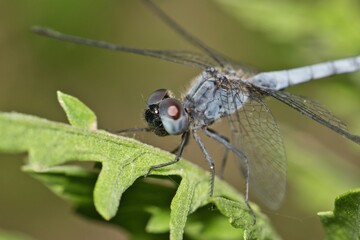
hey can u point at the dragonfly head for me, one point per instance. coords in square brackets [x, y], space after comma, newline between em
[165, 115]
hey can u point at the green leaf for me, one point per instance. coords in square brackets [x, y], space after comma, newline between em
[76, 185]
[159, 222]
[73, 183]
[123, 161]
[344, 222]
[78, 114]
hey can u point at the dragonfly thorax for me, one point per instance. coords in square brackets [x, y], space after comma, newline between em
[214, 94]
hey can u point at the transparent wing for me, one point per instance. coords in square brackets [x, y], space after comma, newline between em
[257, 135]
[183, 57]
[189, 58]
[315, 111]
[210, 58]
[217, 59]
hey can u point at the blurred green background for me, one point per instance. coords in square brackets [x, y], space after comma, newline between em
[268, 35]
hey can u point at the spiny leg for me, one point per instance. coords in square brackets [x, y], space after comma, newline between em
[225, 156]
[208, 158]
[184, 139]
[185, 144]
[241, 155]
[130, 130]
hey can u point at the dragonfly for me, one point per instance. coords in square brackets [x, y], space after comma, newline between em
[226, 89]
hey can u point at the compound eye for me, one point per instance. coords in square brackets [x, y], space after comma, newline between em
[157, 96]
[173, 116]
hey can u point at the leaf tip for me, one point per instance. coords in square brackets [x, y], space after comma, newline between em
[77, 112]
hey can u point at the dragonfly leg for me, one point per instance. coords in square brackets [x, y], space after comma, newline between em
[129, 130]
[246, 171]
[226, 153]
[208, 158]
[185, 144]
[184, 140]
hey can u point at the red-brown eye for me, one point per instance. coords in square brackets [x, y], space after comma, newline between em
[173, 112]
[173, 116]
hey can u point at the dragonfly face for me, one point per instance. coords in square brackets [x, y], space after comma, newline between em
[165, 115]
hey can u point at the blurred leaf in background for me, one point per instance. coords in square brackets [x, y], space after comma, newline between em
[344, 222]
[289, 21]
